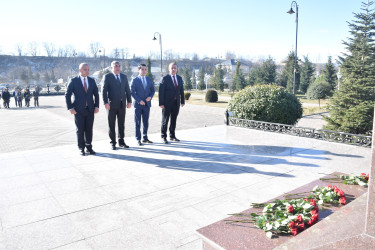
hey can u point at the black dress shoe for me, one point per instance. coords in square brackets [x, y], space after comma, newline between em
[113, 147]
[123, 145]
[173, 139]
[165, 140]
[82, 152]
[139, 143]
[146, 141]
[90, 151]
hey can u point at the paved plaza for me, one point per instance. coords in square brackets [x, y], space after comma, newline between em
[146, 197]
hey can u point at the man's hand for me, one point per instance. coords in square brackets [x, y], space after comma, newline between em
[129, 105]
[142, 103]
[107, 107]
[148, 99]
[96, 110]
[182, 105]
[161, 106]
[73, 111]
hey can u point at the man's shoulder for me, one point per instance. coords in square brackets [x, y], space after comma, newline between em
[108, 75]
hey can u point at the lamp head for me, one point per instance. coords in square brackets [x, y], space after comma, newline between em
[154, 38]
[291, 11]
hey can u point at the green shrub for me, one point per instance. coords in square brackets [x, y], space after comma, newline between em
[187, 95]
[318, 91]
[269, 103]
[211, 96]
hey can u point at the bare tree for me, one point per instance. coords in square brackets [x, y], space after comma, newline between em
[124, 53]
[60, 52]
[19, 48]
[195, 57]
[50, 49]
[94, 48]
[116, 53]
[69, 51]
[33, 48]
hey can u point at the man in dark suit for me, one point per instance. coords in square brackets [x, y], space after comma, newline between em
[142, 92]
[171, 97]
[116, 95]
[83, 106]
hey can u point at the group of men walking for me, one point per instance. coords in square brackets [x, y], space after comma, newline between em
[117, 96]
[19, 96]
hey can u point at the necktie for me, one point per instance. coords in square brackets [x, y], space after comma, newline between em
[118, 79]
[144, 82]
[85, 84]
[175, 83]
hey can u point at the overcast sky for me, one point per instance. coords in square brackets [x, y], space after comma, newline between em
[252, 29]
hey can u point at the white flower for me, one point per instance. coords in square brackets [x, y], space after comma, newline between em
[284, 222]
[320, 202]
[315, 188]
[269, 235]
[321, 197]
[361, 183]
[306, 206]
[277, 224]
[268, 226]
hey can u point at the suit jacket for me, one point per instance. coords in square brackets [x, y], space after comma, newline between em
[80, 96]
[167, 91]
[139, 93]
[113, 92]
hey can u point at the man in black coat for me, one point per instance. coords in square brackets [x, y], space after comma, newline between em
[116, 96]
[83, 107]
[6, 98]
[171, 97]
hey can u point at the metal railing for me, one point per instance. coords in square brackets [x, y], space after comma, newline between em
[326, 135]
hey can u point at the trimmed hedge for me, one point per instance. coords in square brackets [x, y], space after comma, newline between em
[187, 95]
[269, 103]
[211, 96]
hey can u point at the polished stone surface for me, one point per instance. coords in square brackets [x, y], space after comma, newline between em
[233, 235]
[154, 196]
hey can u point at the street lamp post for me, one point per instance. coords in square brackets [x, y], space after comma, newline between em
[295, 56]
[100, 51]
[161, 54]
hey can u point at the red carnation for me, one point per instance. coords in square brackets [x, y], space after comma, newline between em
[291, 209]
[293, 231]
[314, 211]
[330, 186]
[363, 174]
[301, 226]
[343, 200]
[312, 202]
[340, 193]
[299, 219]
[316, 208]
[306, 199]
[367, 177]
[315, 218]
[334, 188]
[292, 224]
[309, 223]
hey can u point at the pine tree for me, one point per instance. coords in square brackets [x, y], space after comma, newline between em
[238, 80]
[287, 74]
[219, 78]
[23, 76]
[46, 77]
[307, 74]
[330, 73]
[201, 84]
[187, 79]
[352, 107]
[149, 74]
[52, 76]
[266, 73]
[251, 78]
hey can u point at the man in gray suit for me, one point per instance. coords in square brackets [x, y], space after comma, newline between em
[142, 92]
[116, 95]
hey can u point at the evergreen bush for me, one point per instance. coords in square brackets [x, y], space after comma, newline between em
[269, 103]
[187, 95]
[211, 96]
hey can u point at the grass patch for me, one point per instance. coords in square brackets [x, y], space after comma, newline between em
[313, 110]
